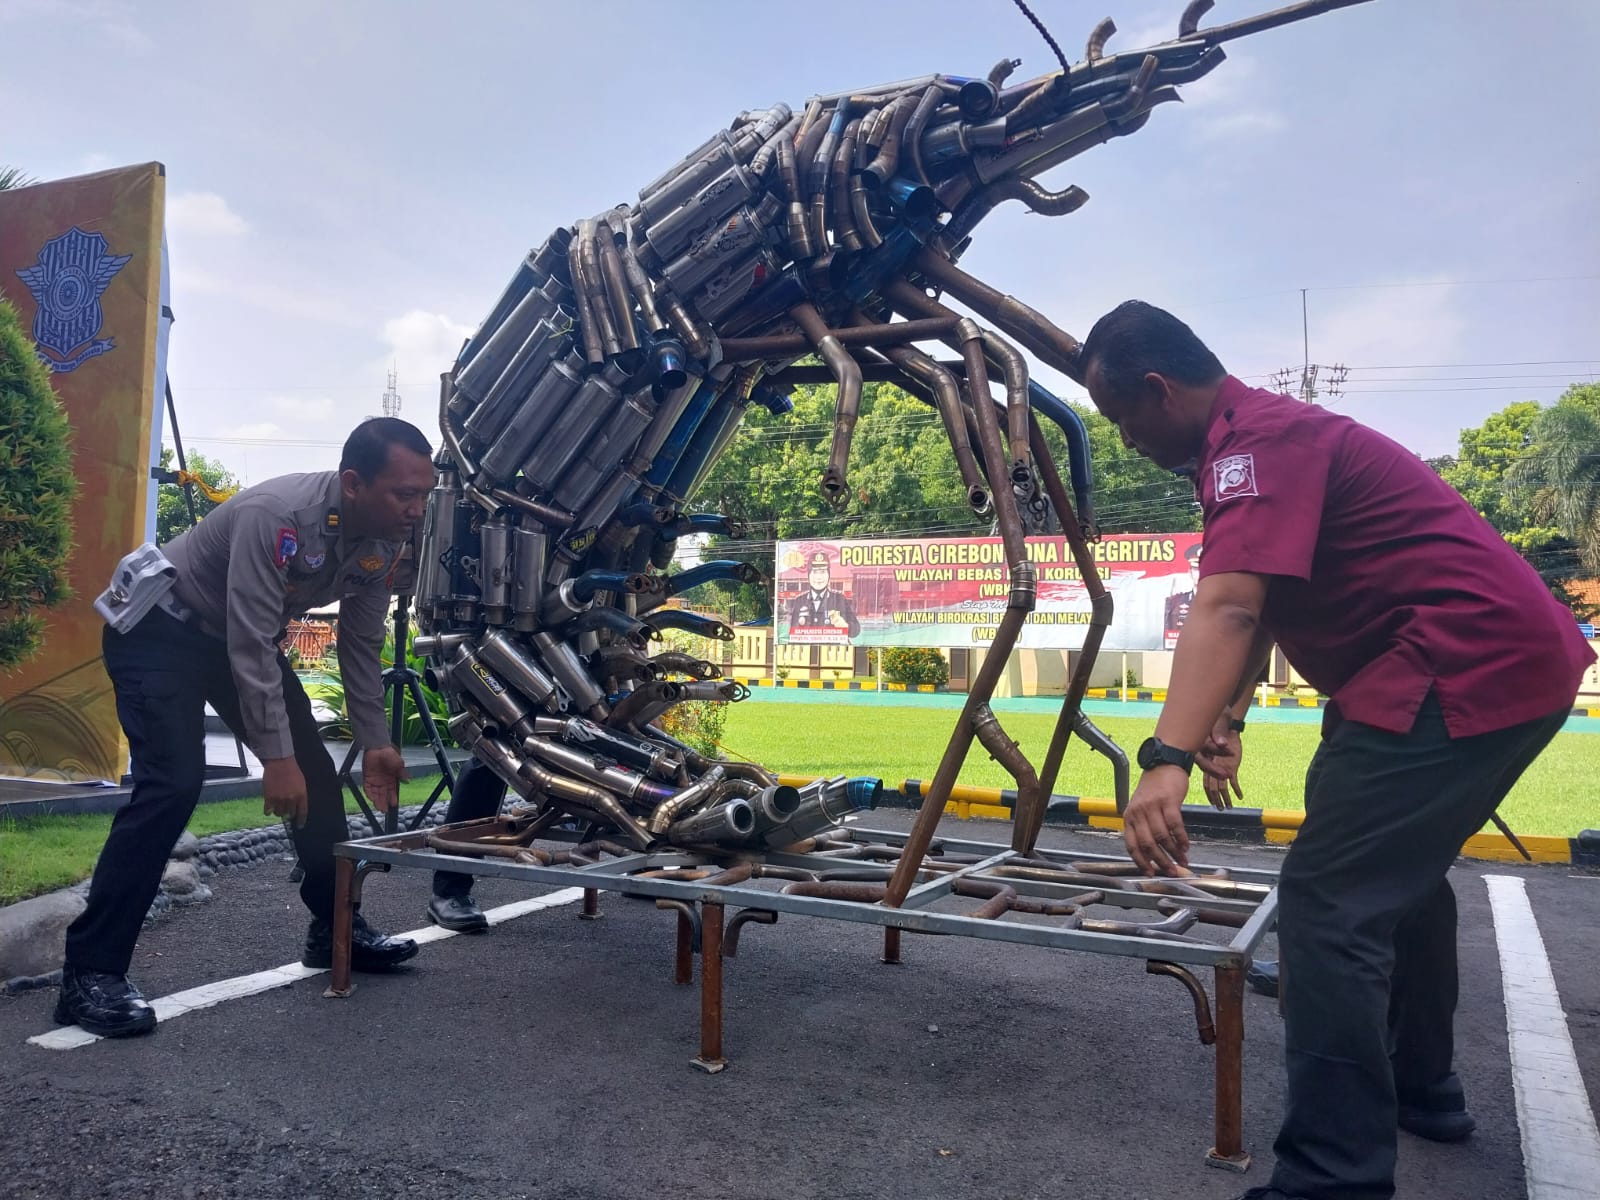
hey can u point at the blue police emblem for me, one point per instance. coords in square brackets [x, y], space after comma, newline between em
[72, 272]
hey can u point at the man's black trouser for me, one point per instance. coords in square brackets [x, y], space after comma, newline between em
[478, 793]
[1367, 937]
[164, 672]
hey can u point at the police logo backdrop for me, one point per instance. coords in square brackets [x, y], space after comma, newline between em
[81, 260]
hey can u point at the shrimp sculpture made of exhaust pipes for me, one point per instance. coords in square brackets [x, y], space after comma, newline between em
[579, 419]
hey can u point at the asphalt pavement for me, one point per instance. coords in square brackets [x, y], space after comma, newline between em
[550, 1058]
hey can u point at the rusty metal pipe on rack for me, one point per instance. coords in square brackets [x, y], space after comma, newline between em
[946, 393]
[844, 229]
[1009, 755]
[1101, 606]
[848, 404]
[1197, 992]
[1055, 346]
[892, 333]
[1005, 503]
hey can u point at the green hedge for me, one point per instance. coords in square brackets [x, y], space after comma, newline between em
[36, 493]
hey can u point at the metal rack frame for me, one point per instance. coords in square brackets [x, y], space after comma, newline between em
[1244, 899]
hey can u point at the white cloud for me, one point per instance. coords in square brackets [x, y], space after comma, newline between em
[301, 303]
[205, 214]
[423, 344]
[1147, 33]
[302, 409]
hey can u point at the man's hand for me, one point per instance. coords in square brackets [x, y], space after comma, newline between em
[382, 769]
[1153, 825]
[836, 619]
[283, 790]
[1219, 761]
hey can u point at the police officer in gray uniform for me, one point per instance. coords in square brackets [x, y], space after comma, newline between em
[265, 555]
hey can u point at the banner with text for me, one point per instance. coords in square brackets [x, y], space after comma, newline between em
[952, 591]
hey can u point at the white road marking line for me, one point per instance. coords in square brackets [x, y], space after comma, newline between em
[1560, 1143]
[70, 1037]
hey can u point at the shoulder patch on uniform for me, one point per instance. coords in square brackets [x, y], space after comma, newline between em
[331, 521]
[372, 562]
[1235, 476]
[288, 543]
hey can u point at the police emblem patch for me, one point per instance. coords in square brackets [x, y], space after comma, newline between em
[288, 543]
[372, 562]
[313, 561]
[67, 282]
[1235, 476]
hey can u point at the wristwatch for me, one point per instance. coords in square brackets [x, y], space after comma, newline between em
[1235, 724]
[1156, 753]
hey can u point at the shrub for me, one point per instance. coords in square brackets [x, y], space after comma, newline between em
[331, 692]
[915, 664]
[36, 493]
[697, 723]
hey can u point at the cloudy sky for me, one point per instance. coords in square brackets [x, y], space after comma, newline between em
[350, 185]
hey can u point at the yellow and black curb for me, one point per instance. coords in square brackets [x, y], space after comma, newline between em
[1159, 696]
[1257, 826]
[834, 685]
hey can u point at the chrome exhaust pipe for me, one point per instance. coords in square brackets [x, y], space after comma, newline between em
[668, 811]
[501, 652]
[730, 821]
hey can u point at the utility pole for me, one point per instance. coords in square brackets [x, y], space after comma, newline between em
[391, 396]
[1284, 380]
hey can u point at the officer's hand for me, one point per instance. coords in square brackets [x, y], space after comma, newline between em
[283, 790]
[1219, 760]
[1152, 827]
[382, 769]
[836, 619]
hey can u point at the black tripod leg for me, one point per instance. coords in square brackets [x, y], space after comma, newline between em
[447, 775]
[347, 779]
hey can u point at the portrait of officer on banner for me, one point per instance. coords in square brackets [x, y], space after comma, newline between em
[1177, 609]
[821, 612]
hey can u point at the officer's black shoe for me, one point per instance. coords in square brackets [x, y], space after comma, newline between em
[1266, 1193]
[1263, 977]
[460, 913]
[1438, 1113]
[369, 949]
[104, 1004]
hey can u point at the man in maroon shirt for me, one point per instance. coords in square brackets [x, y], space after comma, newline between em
[1449, 667]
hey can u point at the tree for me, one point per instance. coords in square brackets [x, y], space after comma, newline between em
[12, 177]
[172, 509]
[903, 481]
[1558, 476]
[1131, 493]
[37, 488]
[1515, 468]
[1487, 452]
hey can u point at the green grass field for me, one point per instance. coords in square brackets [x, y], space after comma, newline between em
[41, 854]
[1560, 794]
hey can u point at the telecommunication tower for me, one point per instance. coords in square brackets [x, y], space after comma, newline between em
[391, 396]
